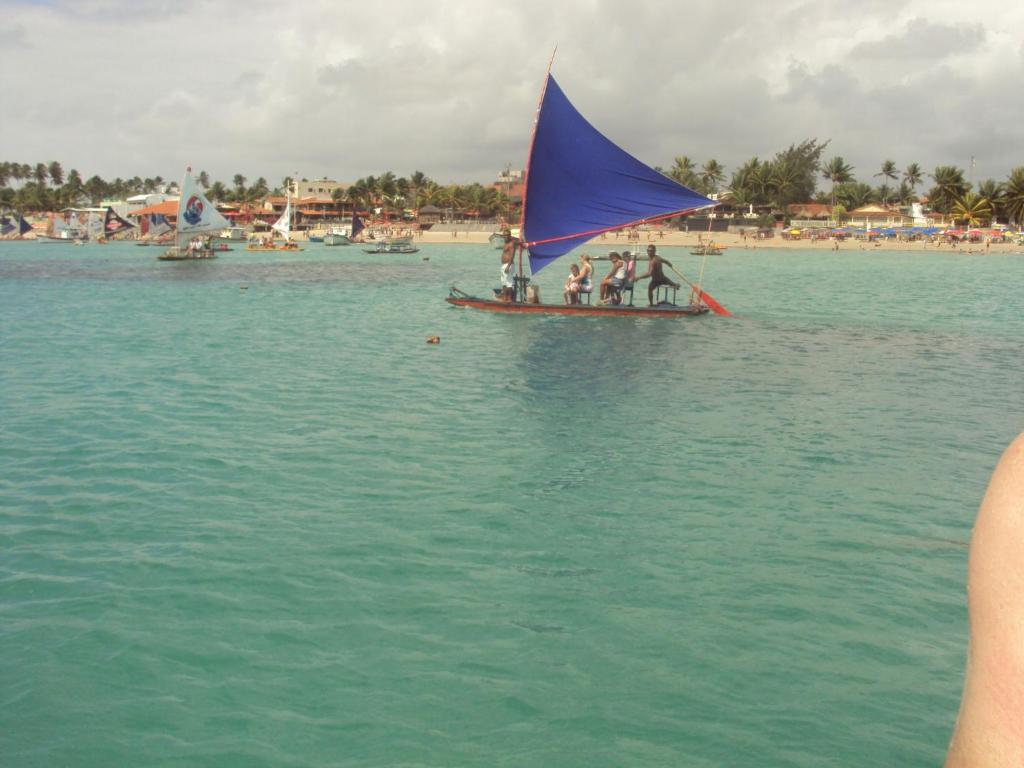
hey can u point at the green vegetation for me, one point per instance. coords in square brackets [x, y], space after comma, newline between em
[791, 176]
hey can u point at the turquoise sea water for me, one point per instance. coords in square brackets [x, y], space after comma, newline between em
[274, 527]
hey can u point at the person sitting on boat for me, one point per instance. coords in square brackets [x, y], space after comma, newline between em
[655, 271]
[586, 270]
[508, 256]
[572, 286]
[615, 277]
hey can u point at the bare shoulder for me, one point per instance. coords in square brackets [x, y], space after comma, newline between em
[990, 728]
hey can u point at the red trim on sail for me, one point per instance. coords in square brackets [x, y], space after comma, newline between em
[595, 232]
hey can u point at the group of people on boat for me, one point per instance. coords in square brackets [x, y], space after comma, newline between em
[621, 277]
[200, 244]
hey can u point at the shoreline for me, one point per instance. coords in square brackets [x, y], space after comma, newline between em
[733, 241]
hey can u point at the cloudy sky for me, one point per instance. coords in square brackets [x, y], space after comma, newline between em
[449, 87]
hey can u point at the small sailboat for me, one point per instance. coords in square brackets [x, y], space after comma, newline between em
[339, 236]
[284, 227]
[114, 224]
[197, 218]
[579, 185]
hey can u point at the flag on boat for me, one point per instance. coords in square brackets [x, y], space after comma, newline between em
[357, 226]
[579, 184]
[196, 214]
[114, 224]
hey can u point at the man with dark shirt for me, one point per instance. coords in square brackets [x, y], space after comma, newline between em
[656, 272]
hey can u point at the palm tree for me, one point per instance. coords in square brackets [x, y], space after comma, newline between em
[750, 182]
[1013, 196]
[855, 194]
[838, 171]
[949, 187]
[711, 175]
[683, 171]
[417, 180]
[994, 191]
[40, 174]
[73, 187]
[217, 192]
[888, 172]
[905, 194]
[358, 194]
[204, 179]
[258, 190]
[972, 209]
[239, 181]
[56, 173]
[913, 176]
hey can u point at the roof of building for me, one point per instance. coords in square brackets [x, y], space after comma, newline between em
[873, 208]
[809, 210]
[166, 208]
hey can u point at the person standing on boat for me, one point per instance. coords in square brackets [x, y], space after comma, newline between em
[656, 271]
[615, 278]
[508, 259]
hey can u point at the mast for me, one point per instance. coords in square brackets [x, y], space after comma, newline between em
[529, 157]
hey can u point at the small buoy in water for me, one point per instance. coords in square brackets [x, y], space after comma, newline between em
[433, 339]
[426, 258]
[243, 287]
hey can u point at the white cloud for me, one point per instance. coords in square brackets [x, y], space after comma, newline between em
[346, 89]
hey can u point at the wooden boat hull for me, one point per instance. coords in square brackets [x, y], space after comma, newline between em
[577, 310]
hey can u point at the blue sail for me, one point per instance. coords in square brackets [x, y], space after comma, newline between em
[579, 184]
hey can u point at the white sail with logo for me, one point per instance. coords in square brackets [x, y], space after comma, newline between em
[196, 214]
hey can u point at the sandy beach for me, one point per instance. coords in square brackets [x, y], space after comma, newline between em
[734, 241]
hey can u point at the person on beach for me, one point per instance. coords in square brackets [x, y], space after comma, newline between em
[615, 277]
[989, 731]
[572, 286]
[508, 257]
[656, 272]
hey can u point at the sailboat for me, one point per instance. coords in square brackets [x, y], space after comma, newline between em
[114, 224]
[284, 226]
[196, 217]
[579, 185]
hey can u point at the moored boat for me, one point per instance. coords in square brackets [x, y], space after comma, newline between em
[394, 245]
[708, 250]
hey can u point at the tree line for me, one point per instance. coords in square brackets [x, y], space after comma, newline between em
[791, 176]
[46, 187]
